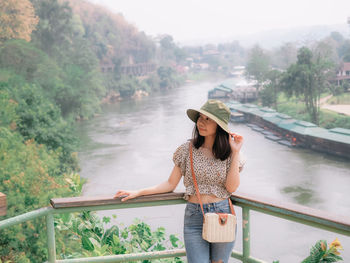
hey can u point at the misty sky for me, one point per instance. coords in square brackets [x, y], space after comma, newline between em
[203, 19]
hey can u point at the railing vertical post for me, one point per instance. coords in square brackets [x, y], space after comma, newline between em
[51, 247]
[246, 233]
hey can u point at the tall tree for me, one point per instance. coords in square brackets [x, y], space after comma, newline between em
[285, 55]
[307, 79]
[54, 31]
[270, 92]
[258, 64]
[17, 19]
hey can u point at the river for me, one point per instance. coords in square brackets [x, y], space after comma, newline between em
[131, 144]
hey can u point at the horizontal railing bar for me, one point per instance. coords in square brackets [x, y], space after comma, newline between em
[25, 217]
[293, 212]
[254, 260]
[295, 208]
[109, 200]
[237, 255]
[128, 257]
[118, 206]
[305, 221]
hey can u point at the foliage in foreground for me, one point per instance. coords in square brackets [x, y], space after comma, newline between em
[93, 238]
[30, 174]
[319, 253]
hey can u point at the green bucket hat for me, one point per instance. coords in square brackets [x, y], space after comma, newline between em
[215, 110]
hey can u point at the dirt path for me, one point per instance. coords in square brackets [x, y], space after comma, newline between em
[344, 109]
[324, 100]
[340, 108]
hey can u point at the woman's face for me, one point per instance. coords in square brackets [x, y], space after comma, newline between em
[206, 126]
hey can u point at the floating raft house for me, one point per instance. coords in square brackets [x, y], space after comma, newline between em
[295, 132]
[221, 91]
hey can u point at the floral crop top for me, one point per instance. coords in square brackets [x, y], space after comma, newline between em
[210, 172]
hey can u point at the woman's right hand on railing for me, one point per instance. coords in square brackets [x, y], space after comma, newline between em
[127, 194]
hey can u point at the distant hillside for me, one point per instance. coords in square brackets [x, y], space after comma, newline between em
[276, 37]
[300, 35]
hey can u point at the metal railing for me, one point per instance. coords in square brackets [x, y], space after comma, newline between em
[292, 212]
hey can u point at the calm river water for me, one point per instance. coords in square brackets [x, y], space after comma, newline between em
[131, 146]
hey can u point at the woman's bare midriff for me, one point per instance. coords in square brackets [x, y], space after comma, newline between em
[205, 199]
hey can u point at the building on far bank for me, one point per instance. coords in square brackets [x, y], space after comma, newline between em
[343, 73]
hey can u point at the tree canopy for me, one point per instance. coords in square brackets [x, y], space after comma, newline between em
[307, 78]
[17, 19]
[258, 64]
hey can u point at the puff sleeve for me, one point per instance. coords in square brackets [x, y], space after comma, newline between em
[180, 157]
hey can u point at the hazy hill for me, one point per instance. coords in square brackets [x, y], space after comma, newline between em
[276, 37]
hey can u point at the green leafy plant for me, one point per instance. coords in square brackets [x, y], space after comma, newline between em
[319, 253]
[95, 239]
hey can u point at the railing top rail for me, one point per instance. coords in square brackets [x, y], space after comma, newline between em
[293, 209]
[82, 201]
[238, 197]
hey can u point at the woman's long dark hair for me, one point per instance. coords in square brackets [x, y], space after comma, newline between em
[221, 147]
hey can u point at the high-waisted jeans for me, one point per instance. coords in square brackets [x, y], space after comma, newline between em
[199, 250]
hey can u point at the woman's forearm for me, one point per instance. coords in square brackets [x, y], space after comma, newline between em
[157, 189]
[164, 187]
[232, 179]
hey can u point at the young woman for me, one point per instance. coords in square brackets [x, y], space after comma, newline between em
[216, 162]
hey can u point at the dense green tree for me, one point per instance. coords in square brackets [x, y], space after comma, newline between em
[17, 20]
[54, 30]
[307, 79]
[170, 52]
[270, 91]
[41, 120]
[22, 58]
[76, 87]
[127, 86]
[166, 76]
[30, 174]
[258, 64]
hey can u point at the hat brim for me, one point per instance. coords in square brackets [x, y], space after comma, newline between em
[194, 114]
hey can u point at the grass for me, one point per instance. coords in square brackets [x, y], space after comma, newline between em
[328, 119]
[340, 99]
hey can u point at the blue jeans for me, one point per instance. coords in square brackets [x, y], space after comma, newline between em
[199, 250]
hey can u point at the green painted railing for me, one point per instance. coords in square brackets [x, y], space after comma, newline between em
[297, 213]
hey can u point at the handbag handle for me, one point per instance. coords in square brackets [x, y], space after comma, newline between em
[196, 186]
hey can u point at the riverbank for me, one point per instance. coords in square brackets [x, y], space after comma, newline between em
[293, 132]
[328, 119]
[139, 88]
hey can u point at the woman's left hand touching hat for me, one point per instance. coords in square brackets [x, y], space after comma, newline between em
[236, 142]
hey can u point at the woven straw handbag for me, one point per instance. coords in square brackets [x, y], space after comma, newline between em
[217, 227]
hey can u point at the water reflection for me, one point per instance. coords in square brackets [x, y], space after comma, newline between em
[301, 195]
